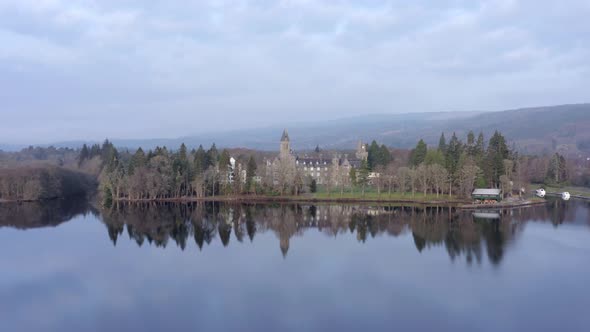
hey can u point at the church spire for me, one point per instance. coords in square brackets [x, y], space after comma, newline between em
[285, 137]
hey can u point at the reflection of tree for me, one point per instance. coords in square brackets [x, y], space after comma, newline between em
[419, 241]
[43, 214]
[458, 232]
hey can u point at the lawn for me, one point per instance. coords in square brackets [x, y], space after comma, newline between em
[373, 195]
[578, 191]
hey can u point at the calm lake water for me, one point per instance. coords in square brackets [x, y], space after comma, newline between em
[69, 266]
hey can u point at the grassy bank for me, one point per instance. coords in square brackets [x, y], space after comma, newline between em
[419, 198]
[575, 191]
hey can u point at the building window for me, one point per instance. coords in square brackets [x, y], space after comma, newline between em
[326, 169]
[305, 168]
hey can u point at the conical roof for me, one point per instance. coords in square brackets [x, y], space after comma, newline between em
[285, 137]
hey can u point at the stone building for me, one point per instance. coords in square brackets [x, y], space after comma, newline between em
[323, 168]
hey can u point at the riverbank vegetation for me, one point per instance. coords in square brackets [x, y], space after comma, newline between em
[448, 171]
[35, 183]
[451, 170]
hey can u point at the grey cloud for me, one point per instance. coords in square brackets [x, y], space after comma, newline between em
[160, 69]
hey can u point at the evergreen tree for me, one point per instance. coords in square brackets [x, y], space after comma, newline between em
[313, 186]
[479, 147]
[212, 156]
[352, 176]
[363, 175]
[557, 171]
[200, 161]
[496, 154]
[373, 158]
[378, 155]
[419, 153]
[434, 157]
[317, 149]
[84, 154]
[224, 169]
[442, 143]
[137, 160]
[250, 172]
[471, 138]
[385, 156]
[453, 155]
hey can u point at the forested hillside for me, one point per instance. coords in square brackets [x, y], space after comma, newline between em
[540, 130]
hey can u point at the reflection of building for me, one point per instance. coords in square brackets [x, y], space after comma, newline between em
[460, 233]
[316, 165]
[487, 194]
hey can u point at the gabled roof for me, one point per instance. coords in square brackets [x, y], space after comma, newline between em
[490, 192]
[285, 137]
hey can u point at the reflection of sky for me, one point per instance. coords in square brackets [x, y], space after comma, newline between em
[73, 278]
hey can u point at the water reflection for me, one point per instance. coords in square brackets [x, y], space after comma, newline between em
[43, 214]
[463, 234]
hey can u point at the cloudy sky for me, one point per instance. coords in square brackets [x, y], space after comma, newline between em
[83, 69]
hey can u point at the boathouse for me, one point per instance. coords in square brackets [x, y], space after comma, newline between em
[487, 194]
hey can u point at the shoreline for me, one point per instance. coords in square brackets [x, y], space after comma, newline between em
[287, 199]
[460, 204]
[501, 206]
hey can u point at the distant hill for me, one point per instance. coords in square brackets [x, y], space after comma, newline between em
[535, 130]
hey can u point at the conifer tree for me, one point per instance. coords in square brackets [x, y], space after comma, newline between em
[84, 154]
[442, 143]
[496, 153]
[418, 155]
[453, 155]
[200, 161]
[212, 156]
[250, 172]
[363, 175]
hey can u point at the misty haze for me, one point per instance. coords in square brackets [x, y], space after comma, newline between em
[294, 165]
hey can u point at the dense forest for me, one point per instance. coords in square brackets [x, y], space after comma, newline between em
[454, 167]
[32, 183]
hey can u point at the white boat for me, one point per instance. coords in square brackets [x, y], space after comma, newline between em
[540, 192]
[565, 196]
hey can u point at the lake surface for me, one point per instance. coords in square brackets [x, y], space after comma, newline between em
[70, 266]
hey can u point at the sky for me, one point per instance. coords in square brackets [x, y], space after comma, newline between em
[83, 69]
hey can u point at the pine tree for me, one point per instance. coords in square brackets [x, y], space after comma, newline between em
[471, 138]
[419, 153]
[137, 160]
[557, 171]
[385, 156]
[453, 155]
[212, 156]
[84, 154]
[373, 158]
[250, 172]
[363, 175]
[442, 143]
[496, 154]
[200, 161]
[479, 147]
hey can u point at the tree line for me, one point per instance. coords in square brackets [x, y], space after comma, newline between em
[163, 174]
[43, 183]
[454, 168]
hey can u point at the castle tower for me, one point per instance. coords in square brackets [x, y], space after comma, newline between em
[361, 151]
[285, 145]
